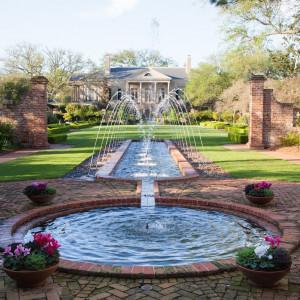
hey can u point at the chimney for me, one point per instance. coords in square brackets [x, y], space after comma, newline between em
[107, 65]
[188, 66]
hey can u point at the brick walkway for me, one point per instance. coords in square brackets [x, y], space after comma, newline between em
[222, 286]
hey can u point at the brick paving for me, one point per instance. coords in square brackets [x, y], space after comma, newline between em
[230, 285]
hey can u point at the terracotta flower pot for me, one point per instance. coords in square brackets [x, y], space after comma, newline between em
[260, 200]
[263, 278]
[30, 279]
[42, 199]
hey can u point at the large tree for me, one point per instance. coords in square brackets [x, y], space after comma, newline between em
[61, 65]
[139, 58]
[58, 65]
[24, 58]
[259, 20]
[207, 82]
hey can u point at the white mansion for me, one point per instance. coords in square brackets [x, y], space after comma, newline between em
[148, 85]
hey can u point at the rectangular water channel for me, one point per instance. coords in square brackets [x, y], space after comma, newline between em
[147, 160]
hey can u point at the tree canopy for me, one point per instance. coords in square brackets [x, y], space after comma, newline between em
[140, 58]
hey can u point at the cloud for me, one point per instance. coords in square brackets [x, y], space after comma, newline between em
[118, 7]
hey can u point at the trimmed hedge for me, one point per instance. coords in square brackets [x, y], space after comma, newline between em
[57, 138]
[83, 125]
[238, 138]
[56, 125]
[238, 130]
[59, 129]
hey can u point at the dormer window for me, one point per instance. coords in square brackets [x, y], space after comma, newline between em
[147, 75]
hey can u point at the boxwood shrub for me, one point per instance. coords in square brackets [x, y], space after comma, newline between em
[57, 138]
[238, 138]
[59, 129]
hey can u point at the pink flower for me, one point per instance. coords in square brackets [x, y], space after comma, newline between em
[278, 240]
[26, 251]
[20, 248]
[55, 244]
[270, 240]
[34, 183]
[42, 186]
[49, 249]
[42, 239]
[8, 251]
[17, 252]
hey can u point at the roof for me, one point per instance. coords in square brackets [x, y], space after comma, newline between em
[123, 73]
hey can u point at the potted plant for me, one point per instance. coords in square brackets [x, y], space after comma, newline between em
[40, 193]
[259, 193]
[264, 265]
[32, 263]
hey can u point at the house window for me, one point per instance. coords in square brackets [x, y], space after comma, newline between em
[119, 94]
[134, 93]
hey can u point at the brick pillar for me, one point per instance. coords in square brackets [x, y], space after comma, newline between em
[256, 140]
[36, 115]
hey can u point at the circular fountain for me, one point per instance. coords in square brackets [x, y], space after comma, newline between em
[149, 235]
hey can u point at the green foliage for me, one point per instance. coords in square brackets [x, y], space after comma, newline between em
[51, 118]
[6, 135]
[247, 258]
[243, 120]
[75, 112]
[59, 129]
[238, 138]
[227, 115]
[31, 190]
[261, 192]
[14, 87]
[207, 82]
[274, 259]
[173, 116]
[216, 116]
[205, 115]
[57, 138]
[291, 139]
[237, 129]
[56, 125]
[35, 262]
[48, 191]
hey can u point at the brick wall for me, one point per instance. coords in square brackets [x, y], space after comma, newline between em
[269, 119]
[29, 116]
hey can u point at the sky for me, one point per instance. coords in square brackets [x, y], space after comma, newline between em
[176, 28]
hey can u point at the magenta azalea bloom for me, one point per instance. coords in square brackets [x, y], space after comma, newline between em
[8, 251]
[34, 183]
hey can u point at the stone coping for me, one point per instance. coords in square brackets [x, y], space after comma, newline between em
[113, 161]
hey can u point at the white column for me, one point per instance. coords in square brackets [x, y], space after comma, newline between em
[127, 87]
[140, 94]
[168, 87]
[155, 100]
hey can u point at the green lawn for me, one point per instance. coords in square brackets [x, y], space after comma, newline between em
[240, 164]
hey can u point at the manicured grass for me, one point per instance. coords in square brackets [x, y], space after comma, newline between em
[240, 164]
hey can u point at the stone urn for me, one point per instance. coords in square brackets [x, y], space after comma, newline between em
[263, 278]
[30, 279]
[41, 199]
[260, 200]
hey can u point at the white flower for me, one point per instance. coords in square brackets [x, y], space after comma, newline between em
[270, 257]
[261, 250]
